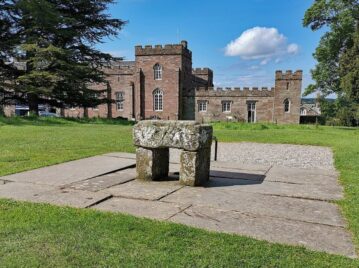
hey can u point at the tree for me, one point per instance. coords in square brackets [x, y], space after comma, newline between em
[8, 37]
[337, 54]
[57, 41]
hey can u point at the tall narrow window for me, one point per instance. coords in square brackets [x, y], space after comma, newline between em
[120, 99]
[202, 106]
[226, 106]
[157, 72]
[286, 106]
[303, 111]
[158, 100]
[251, 109]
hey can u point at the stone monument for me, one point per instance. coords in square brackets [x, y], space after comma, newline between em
[153, 139]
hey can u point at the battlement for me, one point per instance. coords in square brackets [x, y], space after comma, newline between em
[202, 71]
[235, 91]
[119, 67]
[168, 49]
[289, 75]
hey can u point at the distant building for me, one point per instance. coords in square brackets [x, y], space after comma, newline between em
[162, 84]
[310, 107]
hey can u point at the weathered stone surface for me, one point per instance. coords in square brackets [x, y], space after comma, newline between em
[194, 168]
[146, 190]
[152, 164]
[105, 181]
[23, 191]
[72, 198]
[141, 208]
[302, 176]
[257, 175]
[314, 236]
[308, 191]
[66, 173]
[121, 155]
[187, 135]
[265, 205]
[247, 168]
[295, 172]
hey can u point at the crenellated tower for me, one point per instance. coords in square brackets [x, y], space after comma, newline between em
[166, 71]
[287, 96]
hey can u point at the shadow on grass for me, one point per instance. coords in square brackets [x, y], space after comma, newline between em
[53, 121]
[348, 128]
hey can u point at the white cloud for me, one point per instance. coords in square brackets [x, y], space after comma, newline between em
[264, 62]
[261, 43]
[293, 49]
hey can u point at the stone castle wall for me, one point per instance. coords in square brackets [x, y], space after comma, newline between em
[184, 87]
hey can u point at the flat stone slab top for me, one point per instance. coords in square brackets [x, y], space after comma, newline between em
[281, 200]
[188, 135]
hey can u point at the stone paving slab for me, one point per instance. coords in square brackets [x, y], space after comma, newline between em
[279, 200]
[249, 168]
[72, 198]
[280, 174]
[309, 179]
[144, 190]
[241, 172]
[66, 173]
[121, 155]
[314, 236]
[105, 181]
[142, 208]
[295, 172]
[315, 192]
[23, 191]
[266, 205]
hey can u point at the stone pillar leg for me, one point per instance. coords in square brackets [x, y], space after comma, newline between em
[194, 170]
[152, 164]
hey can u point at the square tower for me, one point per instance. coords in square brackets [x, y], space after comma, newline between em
[162, 73]
[287, 96]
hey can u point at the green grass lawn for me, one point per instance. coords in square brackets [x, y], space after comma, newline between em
[43, 235]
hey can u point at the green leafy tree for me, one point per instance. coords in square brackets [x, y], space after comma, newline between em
[337, 54]
[57, 41]
[8, 37]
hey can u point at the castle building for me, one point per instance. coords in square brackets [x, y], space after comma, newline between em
[161, 84]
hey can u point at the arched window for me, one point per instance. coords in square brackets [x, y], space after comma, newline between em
[303, 111]
[157, 72]
[158, 100]
[286, 106]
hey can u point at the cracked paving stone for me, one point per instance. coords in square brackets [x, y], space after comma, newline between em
[314, 236]
[105, 181]
[265, 205]
[141, 208]
[72, 198]
[147, 190]
[315, 192]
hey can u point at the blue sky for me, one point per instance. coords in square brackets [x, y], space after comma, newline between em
[266, 35]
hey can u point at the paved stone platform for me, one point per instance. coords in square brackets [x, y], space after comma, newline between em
[276, 199]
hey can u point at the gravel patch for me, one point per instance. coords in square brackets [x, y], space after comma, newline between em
[300, 156]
